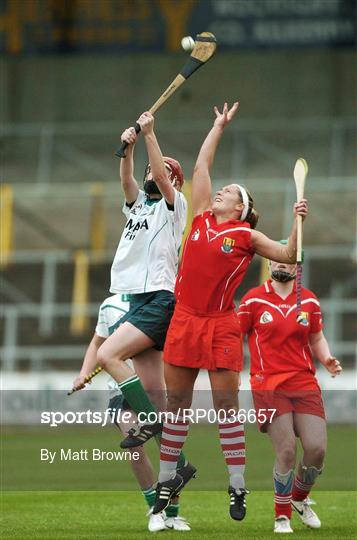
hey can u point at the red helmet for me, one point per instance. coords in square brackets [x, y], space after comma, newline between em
[177, 172]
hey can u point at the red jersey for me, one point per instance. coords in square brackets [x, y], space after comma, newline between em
[278, 344]
[214, 262]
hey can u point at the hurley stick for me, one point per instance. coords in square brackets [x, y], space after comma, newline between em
[300, 172]
[204, 49]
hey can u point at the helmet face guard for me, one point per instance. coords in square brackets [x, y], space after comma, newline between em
[282, 276]
[150, 187]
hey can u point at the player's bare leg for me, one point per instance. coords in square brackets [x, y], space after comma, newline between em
[145, 476]
[127, 342]
[313, 435]
[312, 432]
[153, 381]
[142, 468]
[281, 432]
[225, 386]
[149, 367]
[180, 382]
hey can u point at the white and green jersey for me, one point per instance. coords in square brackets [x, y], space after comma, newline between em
[111, 310]
[146, 259]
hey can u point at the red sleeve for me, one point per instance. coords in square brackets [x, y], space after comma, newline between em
[316, 324]
[245, 316]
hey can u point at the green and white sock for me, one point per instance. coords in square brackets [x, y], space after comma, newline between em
[172, 510]
[149, 496]
[136, 396]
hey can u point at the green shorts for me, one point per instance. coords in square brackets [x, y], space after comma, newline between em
[151, 313]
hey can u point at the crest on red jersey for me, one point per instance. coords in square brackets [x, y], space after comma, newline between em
[195, 235]
[266, 317]
[303, 318]
[227, 244]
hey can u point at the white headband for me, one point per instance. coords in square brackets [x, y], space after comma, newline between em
[245, 200]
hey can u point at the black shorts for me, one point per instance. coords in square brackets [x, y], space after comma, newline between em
[151, 313]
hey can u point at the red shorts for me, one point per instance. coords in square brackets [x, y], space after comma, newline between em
[299, 393]
[204, 342]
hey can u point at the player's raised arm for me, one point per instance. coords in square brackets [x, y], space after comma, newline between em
[158, 170]
[201, 179]
[128, 182]
[276, 251]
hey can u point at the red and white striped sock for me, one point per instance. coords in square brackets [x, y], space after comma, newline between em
[282, 505]
[300, 490]
[173, 437]
[283, 485]
[232, 439]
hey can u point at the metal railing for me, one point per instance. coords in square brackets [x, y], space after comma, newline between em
[335, 308]
[88, 147]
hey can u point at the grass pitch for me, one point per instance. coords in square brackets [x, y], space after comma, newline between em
[99, 500]
[22, 469]
[121, 516]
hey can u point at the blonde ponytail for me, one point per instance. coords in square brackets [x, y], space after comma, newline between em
[252, 218]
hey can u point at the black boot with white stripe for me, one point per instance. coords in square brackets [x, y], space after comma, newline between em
[165, 491]
[141, 434]
[237, 504]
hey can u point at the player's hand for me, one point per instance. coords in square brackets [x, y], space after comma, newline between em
[146, 123]
[333, 366]
[129, 136]
[301, 209]
[223, 118]
[80, 382]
